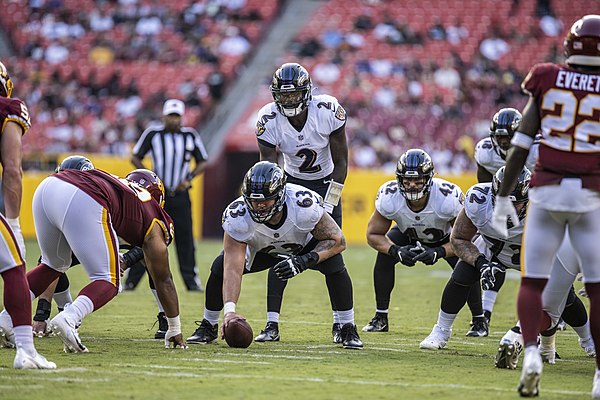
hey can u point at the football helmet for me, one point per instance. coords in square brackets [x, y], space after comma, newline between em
[80, 163]
[415, 163]
[520, 194]
[264, 181]
[582, 44]
[504, 124]
[291, 88]
[5, 83]
[149, 181]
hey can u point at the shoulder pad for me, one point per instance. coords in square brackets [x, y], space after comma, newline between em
[451, 196]
[307, 206]
[265, 114]
[236, 221]
[388, 199]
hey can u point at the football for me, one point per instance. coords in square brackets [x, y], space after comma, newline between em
[238, 333]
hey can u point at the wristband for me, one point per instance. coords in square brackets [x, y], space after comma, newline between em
[334, 192]
[522, 140]
[189, 177]
[480, 261]
[229, 307]
[174, 324]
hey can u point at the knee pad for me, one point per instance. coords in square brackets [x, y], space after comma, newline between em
[464, 274]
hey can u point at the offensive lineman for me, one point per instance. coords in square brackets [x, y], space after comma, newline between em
[280, 226]
[310, 132]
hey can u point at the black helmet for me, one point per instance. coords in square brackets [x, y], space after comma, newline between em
[264, 181]
[291, 89]
[80, 163]
[504, 123]
[415, 163]
[521, 192]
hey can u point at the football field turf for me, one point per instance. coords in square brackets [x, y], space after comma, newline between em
[124, 361]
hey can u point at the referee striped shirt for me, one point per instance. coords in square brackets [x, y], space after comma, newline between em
[171, 152]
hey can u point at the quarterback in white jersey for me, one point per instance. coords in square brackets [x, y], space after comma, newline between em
[310, 132]
[424, 209]
[279, 226]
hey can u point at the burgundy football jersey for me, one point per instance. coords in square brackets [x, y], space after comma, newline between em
[14, 110]
[132, 209]
[568, 100]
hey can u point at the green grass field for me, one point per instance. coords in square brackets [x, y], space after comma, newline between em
[124, 361]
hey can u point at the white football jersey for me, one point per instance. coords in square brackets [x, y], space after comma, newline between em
[488, 158]
[430, 225]
[306, 154]
[479, 209]
[303, 208]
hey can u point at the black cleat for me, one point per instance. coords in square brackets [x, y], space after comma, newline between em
[336, 332]
[479, 328]
[379, 323]
[269, 334]
[350, 338]
[206, 333]
[163, 326]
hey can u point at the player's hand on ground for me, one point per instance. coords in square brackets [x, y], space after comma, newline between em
[174, 340]
[40, 329]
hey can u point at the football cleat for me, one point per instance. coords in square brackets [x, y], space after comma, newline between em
[350, 338]
[508, 355]
[163, 326]
[66, 329]
[437, 339]
[336, 332]
[480, 328]
[531, 373]
[269, 334]
[379, 323]
[31, 360]
[7, 335]
[206, 333]
[588, 346]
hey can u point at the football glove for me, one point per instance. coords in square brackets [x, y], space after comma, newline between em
[294, 265]
[404, 254]
[431, 255]
[488, 271]
[503, 211]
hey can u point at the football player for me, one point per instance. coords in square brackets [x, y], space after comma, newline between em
[563, 104]
[423, 209]
[280, 226]
[310, 132]
[14, 123]
[483, 252]
[83, 213]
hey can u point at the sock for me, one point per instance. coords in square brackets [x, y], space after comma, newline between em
[336, 317]
[272, 317]
[489, 299]
[583, 331]
[17, 296]
[160, 307]
[347, 316]
[63, 298]
[378, 311]
[446, 320]
[529, 308]
[548, 342]
[212, 316]
[24, 337]
[80, 308]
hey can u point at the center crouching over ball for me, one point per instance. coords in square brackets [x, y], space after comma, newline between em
[238, 333]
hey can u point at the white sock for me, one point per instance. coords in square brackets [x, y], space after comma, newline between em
[548, 342]
[212, 316]
[378, 311]
[272, 316]
[583, 331]
[446, 320]
[346, 317]
[336, 317]
[63, 298]
[489, 299]
[80, 308]
[24, 337]
[160, 307]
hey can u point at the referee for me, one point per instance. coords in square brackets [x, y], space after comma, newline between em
[171, 148]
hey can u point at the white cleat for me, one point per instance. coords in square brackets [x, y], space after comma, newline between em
[7, 335]
[66, 330]
[27, 360]
[596, 386]
[437, 339]
[588, 346]
[531, 373]
[508, 355]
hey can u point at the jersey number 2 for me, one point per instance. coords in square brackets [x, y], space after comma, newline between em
[309, 156]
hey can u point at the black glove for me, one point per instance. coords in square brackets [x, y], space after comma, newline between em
[133, 256]
[404, 254]
[292, 266]
[430, 255]
[488, 271]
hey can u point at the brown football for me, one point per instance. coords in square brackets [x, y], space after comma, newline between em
[238, 333]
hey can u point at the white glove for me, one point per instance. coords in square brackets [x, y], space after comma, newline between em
[16, 228]
[503, 210]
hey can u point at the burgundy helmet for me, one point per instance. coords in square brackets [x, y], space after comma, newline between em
[149, 181]
[582, 44]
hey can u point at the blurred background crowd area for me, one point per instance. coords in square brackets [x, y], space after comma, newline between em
[427, 74]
